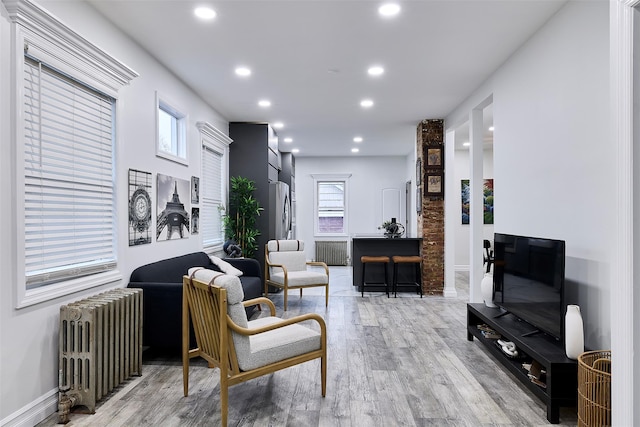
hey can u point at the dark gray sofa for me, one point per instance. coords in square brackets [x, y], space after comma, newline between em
[161, 282]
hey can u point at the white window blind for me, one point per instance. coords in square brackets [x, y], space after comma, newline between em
[68, 177]
[211, 197]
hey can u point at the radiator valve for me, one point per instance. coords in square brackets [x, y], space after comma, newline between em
[66, 401]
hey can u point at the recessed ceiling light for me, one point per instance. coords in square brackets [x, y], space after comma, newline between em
[243, 71]
[295, 150]
[389, 9]
[204, 12]
[264, 103]
[355, 150]
[491, 128]
[278, 125]
[366, 103]
[375, 70]
[288, 140]
[357, 139]
[466, 144]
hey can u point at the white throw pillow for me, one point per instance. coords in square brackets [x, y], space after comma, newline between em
[225, 266]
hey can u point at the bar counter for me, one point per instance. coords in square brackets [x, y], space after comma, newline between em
[381, 246]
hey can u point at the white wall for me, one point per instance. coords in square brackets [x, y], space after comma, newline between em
[462, 238]
[369, 176]
[552, 159]
[552, 114]
[28, 340]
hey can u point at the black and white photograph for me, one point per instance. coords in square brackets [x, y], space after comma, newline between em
[173, 208]
[139, 207]
[195, 190]
[195, 220]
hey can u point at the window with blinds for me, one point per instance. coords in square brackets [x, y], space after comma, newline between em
[68, 177]
[211, 192]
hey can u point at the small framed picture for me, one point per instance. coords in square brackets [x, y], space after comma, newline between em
[418, 172]
[195, 220]
[434, 158]
[195, 190]
[434, 184]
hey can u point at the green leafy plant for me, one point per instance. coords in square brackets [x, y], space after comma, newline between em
[240, 219]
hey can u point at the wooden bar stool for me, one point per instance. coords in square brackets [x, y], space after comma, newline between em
[417, 262]
[370, 260]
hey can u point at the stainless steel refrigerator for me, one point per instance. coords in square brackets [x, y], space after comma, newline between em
[280, 211]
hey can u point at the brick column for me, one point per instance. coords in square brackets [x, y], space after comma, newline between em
[430, 141]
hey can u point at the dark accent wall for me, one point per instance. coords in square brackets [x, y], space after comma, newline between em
[251, 156]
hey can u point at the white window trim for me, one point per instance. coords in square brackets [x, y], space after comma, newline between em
[183, 118]
[215, 140]
[41, 35]
[330, 177]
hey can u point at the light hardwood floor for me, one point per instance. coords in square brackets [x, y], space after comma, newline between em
[391, 362]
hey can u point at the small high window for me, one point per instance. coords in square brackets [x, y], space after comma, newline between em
[172, 132]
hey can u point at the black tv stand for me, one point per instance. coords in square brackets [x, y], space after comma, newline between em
[562, 372]
[503, 313]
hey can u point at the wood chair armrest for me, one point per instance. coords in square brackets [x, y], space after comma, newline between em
[320, 264]
[284, 269]
[284, 322]
[261, 300]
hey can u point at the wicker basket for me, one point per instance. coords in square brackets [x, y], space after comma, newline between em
[594, 388]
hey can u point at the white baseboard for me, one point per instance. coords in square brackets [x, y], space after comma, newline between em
[33, 413]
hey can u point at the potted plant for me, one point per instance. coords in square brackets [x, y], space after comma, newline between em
[240, 220]
[392, 229]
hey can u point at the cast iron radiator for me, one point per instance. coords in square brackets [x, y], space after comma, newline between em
[100, 347]
[331, 252]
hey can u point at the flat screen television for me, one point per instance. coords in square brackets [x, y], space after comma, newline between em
[529, 281]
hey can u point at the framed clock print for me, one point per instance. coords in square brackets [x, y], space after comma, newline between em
[139, 207]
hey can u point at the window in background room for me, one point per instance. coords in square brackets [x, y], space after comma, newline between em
[172, 131]
[330, 205]
[213, 186]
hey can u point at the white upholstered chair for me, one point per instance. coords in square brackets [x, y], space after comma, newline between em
[242, 349]
[286, 268]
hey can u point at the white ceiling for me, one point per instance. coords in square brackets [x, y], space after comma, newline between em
[310, 58]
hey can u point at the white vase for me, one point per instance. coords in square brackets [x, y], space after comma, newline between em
[573, 332]
[486, 287]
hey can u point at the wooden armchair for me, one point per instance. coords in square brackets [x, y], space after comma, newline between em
[242, 349]
[286, 268]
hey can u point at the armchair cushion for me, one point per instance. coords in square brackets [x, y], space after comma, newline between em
[275, 345]
[235, 295]
[301, 278]
[285, 245]
[293, 261]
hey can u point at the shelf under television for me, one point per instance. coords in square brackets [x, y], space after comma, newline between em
[561, 387]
